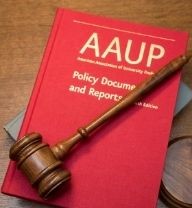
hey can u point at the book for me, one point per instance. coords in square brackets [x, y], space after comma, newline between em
[12, 128]
[89, 63]
[183, 98]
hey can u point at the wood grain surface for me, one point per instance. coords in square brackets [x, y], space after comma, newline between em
[24, 29]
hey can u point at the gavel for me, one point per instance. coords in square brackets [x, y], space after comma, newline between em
[41, 163]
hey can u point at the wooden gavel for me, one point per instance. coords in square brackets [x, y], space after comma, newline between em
[41, 164]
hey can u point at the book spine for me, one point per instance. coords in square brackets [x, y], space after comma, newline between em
[5, 188]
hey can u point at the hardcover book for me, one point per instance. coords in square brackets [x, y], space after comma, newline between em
[89, 63]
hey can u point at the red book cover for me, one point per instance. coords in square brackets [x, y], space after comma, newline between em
[88, 64]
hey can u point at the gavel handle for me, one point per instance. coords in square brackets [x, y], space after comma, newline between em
[63, 147]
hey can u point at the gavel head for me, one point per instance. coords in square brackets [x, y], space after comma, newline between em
[39, 164]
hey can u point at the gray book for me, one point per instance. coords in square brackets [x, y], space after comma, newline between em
[184, 97]
[12, 128]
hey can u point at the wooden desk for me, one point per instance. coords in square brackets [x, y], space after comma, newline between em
[25, 26]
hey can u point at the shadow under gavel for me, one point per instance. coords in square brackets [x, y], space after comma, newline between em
[41, 164]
